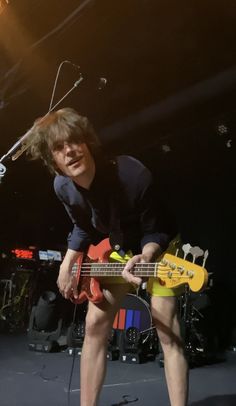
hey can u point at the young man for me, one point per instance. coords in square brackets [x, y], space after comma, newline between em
[115, 199]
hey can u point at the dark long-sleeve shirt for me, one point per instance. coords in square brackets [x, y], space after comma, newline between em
[121, 197]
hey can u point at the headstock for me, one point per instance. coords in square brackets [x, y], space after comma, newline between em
[174, 271]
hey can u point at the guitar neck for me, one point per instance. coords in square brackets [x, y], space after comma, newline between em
[115, 269]
[171, 270]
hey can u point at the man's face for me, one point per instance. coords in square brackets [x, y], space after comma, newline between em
[73, 160]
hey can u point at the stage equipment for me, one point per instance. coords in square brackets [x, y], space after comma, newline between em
[20, 253]
[113, 351]
[76, 330]
[14, 307]
[137, 337]
[196, 318]
[75, 337]
[44, 325]
[32, 255]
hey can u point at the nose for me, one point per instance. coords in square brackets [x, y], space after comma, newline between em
[68, 148]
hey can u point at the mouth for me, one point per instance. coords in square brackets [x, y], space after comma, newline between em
[74, 161]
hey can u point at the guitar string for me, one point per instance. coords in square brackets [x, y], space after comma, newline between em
[161, 274]
[119, 266]
[95, 269]
[144, 272]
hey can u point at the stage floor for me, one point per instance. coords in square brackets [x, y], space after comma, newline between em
[29, 378]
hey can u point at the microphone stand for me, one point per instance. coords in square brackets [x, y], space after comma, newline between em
[21, 145]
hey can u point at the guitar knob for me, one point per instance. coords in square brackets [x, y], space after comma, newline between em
[180, 269]
[164, 262]
[190, 274]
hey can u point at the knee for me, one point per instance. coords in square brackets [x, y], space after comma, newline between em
[165, 337]
[96, 327]
[170, 335]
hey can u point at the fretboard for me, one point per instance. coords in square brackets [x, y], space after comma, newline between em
[115, 269]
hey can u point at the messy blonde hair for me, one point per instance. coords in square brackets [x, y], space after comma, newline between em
[57, 127]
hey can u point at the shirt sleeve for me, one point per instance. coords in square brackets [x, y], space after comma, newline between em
[78, 239]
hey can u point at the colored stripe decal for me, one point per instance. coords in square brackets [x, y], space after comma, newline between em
[121, 324]
[115, 324]
[136, 322]
[129, 319]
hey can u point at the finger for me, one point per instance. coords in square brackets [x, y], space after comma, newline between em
[131, 278]
[74, 288]
[67, 294]
[68, 291]
[136, 280]
[75, 293]
[132, 261]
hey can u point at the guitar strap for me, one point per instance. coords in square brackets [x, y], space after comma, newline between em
[116, 236]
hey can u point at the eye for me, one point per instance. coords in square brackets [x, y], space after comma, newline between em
[58, 147]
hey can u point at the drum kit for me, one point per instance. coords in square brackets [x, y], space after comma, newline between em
[134, 339]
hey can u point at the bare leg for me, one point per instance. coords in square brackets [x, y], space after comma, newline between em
[165, 315]
[99, 322]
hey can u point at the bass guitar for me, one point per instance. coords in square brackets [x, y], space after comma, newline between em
[171, 271]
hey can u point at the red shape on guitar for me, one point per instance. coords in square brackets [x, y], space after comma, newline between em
[88, 286]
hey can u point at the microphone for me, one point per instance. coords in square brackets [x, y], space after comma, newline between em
[2, 171]
[76, 84]
[19, 147]
[23, 143]
[102, 83]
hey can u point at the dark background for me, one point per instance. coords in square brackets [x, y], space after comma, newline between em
[171, 85]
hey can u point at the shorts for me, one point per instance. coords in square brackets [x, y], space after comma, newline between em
[156, 289]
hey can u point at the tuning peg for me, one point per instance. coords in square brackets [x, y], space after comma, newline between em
[186, 249]
[206, 253]
[196, 252]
